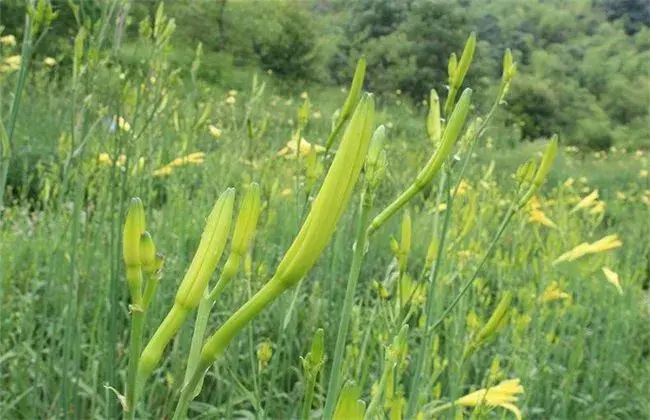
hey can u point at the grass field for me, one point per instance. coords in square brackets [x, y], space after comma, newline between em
[459, 290]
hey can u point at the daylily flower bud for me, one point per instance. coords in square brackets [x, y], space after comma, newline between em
[547, 161]
[134, 226]
[376, 159]
[496, 321]
[355, 89]
[451, 68]
[465, 61]
[147, 253]
[249, 213]
[507, 63]
[433, 118]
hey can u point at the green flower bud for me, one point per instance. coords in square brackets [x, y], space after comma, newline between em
[547, 161]
[375, 161]
[433, 118]
[213, 242]
[451, 68]
[134, 226]
[355, 89]
[332, 199]
[249, 213]
[496, 321]
[465, 61]
[148, 253]
[507, 63]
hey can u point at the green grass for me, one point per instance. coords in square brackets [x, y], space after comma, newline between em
[64, 321]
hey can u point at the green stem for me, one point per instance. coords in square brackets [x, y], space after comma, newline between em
[309, 398]
[201, 324]
[217, 343]
[440, 408]
[336, 377]
[374, 403]
[137, 330]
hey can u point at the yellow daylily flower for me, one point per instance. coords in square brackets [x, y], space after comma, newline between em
[613, 278]
[607, 243]
[49, 61]
[8, 40]
[289, 150]
[537, 216]
[503, 395]
[553, 292]
[586, 201]
[215, 131]
[105, 159]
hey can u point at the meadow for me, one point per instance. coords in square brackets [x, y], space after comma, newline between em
[511, 280]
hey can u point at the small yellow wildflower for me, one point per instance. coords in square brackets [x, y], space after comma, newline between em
[638, 153]
[569, 182]
[620, 195]
[105, 159]
[13, 62]
[598, 208]
[231, 100]
[613, 278]
[316, 115]
[264, 354]
[553, 292]
[607, 243]
[289, 150]
[49, 61]
[537, 216]
[304, 95]
[463, 186]
[8, 40]
[164, 171]
[215, 131]
[122, 123]
[503, 395]
[586, 201]
[643, 173]
[121, 160]
[232, 92]
[193, 158]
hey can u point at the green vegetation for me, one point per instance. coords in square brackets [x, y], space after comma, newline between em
[303, 249]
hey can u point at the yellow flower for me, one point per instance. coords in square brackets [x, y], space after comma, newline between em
[503, 395]
[105, 159]
[304, 95]
[537, 216]
[463, 186]
[612, 277]
[553, 292]
[8, 40]
[49, 61]
[598, 208]
[316, 115]
[643, 173]
[122, 123]
[193, 158]
[586, 201]
[569, 182]
[607, 243]
[289, 150]
[286, 192]
[164, 171]
[121, 160]
[232, 92]
[215, 131]
[620, 195]
[13, 62]
[231, 100]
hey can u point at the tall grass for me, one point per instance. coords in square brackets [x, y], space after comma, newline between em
[83, 145]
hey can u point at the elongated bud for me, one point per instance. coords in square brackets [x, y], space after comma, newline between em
[451, 68]
[449, 137]
[355, 89]
[497, 319]
[376, 159]
[249, 213]
[547, 161]
[526, 172]
[134, 226]
[465, 61]
[333, 197]
[318, 347]
[213, 242]
[148, 253]
[507, 63]
[433, 118]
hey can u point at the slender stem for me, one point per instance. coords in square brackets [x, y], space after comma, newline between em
[137, 330]
[201, 324]
[440, 408]
[336, 377]
[374, 403]
[309, 398]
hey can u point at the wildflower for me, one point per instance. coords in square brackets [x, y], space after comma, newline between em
[164, 171]
[316, 115]
[598, 208]
[231, 100]
[193, 158]
[503, 395]
[105, 159]
[620, 195]
[121, 160]
[232, 92]
[286, 192]
[537, 216]
[612, 277]
[49, 61]
[8, 40]
[215, 131]
[643, 173]
[553, 292]
[289, 150]
[264, 354]
[638, 153]
[463, 186]
[607, 243]
[121, 123]
[586, 201]
[304, 95]
[569, 182]
[12, 62]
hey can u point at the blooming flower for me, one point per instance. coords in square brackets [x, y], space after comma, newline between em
[49, 61]
[553, 292]
[503, 395]
[537, 216]
[289, 150]
[231, 100]
[612, 277]
[8, 40]
[215, 131]
[586, 201]
[607, 243]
